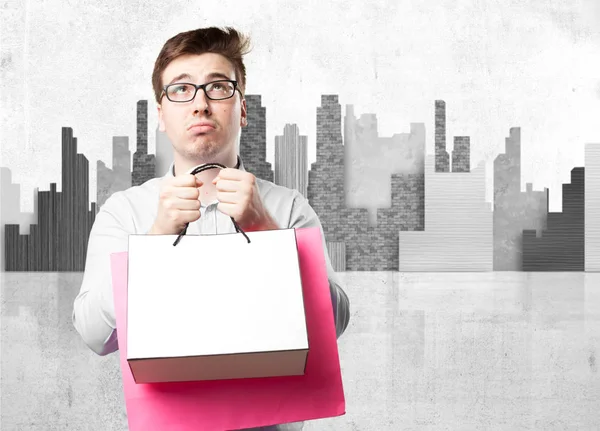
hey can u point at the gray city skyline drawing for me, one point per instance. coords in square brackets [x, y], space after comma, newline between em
[291, 159]
[370, 160]
[458, 224]
[514, 210]
[344, 172]
[592, 207]
[58, 242]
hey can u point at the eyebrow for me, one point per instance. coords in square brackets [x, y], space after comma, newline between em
[213, 75]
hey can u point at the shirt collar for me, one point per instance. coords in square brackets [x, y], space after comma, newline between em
[171, 171]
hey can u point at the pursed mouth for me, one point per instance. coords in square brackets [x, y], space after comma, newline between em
[203, 124]
[201, 128]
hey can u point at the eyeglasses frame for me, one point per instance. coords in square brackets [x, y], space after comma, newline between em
[203, 87]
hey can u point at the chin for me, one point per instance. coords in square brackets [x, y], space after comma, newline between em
[202, 152]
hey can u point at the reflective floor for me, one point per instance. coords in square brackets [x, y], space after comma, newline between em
[457, 351]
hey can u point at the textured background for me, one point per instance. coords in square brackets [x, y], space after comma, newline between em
[496, 64]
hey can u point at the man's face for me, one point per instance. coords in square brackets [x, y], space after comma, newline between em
[224, 117]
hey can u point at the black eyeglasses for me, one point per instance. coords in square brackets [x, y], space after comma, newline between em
[216, 90]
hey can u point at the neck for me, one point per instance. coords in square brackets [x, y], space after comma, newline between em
[208, 191]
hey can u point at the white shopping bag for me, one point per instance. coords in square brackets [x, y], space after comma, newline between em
[207, 307]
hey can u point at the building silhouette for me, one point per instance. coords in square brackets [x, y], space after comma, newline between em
[407, 213]
[164, 153]
[253, 141]
[442, 159]
[370, 160]
[291, 159]
[143, 163]
[458, 224]
[561, 247]
[118, 178]
[461, 155]
[592, 207]
[514, 210]
[58, 242]
[326, 183]
[10, 209]
[347, 230]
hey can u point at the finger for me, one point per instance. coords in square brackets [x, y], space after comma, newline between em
[188, 216]
[232, 174]
[228, 197]
[228, 185]
[229, 173]
[184, 180]
[186, 204]
[185, 192]
[227, 209]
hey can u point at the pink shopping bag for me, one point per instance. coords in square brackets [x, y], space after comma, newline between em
[244, 403]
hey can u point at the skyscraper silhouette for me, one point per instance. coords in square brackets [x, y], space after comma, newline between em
[347, 230]
[442, 159]
[514, 210]
[561, 247]
[164, 153]
[118, 178]
[291, 159]
[253, 142]
[458, 224]
[592, 207]
[143, 163]
[326, 175]
[59, 241]
[461, 155]
[370, 160]
[326, 183]
[10, 211]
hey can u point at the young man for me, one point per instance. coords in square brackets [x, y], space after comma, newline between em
[199, 81]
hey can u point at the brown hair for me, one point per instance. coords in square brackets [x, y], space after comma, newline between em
[228, 42]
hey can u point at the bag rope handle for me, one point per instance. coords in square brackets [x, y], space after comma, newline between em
[195, 171]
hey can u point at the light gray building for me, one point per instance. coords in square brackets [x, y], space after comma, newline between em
[458, 225]
[291, 159]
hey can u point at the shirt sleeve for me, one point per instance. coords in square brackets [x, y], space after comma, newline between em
[93, 310]
[303, 215]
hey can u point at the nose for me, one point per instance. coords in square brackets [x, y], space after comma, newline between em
[201, 101]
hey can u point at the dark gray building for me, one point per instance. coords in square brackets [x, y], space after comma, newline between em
[58, 242]
[442, 159]
[253, 141]
[143, 163]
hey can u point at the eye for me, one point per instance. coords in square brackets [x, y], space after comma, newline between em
[180, 88]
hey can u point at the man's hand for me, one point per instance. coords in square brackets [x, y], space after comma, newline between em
[178, 204]
[239, 197]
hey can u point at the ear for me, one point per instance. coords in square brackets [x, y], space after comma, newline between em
[244, 117]
[161, 121]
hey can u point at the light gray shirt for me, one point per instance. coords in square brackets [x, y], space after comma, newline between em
[133, 211]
